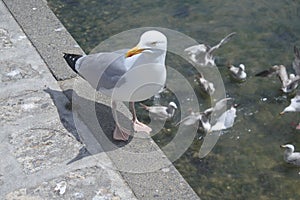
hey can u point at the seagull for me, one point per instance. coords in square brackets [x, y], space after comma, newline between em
[126, 75]
[290, 156]
[203, 54]
[289, 82]
[204, 117]
[226, 120]
[162, 112]
[205, 85]
[238, 72]
[193, 117]
[294, 105]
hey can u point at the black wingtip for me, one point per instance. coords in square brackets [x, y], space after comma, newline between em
[71, 60]
[263, 73]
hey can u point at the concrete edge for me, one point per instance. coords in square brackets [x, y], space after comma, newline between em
[51, 39]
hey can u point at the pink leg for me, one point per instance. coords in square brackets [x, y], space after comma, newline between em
[137, 125]
[120, 133]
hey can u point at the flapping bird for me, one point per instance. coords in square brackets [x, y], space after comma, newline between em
[161, 112]
[294, 105]
[226, 120]
[290, 156]
[238, 73]
[194, 117]
[202, 54]
[205, 116]
[288, 82]
[126, 75]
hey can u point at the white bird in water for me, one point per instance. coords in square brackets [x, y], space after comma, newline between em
[126, 75]
[294, 105]
[238, 73]
[290, 156]
[162, 112]
[226, 120]
[205, 85]
[203, 54]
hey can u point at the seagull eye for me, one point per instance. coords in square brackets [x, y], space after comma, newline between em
[154, 43]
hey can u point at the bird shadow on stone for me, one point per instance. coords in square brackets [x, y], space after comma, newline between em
[92, 125]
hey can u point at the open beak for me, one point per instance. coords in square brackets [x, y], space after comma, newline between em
[134, 51]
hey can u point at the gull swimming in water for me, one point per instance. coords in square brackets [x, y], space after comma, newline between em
[205, 85]
[290, 156]
[126, 75]
[203, 54]
[294, 105]
[162, 112]
[238, 73]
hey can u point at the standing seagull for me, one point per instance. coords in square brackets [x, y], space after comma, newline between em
[238, 73]
[203, 54]
[294, 105]
[290, 156]
[162, 112]
[126, 75]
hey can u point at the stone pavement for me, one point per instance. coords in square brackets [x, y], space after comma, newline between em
[51, 147]
[34, 144]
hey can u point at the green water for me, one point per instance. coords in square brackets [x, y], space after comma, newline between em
[247, 162]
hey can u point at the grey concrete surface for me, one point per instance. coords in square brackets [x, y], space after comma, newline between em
[57, 132]
[35, 144]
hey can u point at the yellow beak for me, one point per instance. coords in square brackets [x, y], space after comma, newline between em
[134, 51]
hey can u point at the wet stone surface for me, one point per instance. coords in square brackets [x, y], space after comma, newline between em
[78, 184]
[43, 147]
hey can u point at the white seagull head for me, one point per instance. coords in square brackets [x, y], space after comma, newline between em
[150, 41]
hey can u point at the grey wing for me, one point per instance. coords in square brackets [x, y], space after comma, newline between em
[282, 74]
[295, 158]
[269, 72]
[188, 120]
[296, 62]
[223, 41]
[294, 84]
[102, 69]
